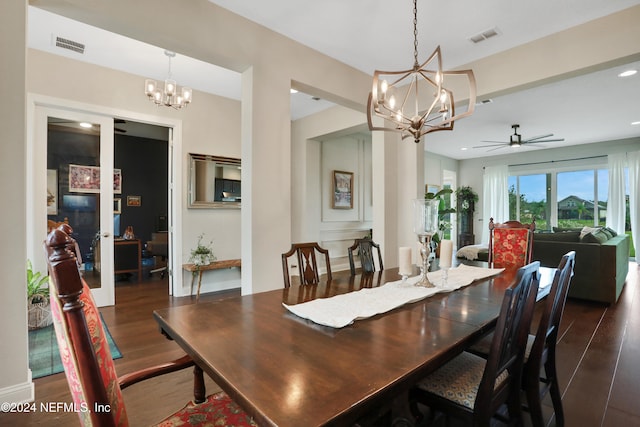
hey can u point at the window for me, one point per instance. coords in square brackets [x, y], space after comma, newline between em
[580, 198]
[529, 199]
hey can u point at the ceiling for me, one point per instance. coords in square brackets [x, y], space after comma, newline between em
[373, 34]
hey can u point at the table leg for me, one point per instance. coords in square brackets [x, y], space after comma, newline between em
[199, 283]
[193, 279]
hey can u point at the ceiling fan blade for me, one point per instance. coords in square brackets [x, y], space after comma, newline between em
[498, 148]
[498, 142]
[492, 145]
[538, 137]
[120, 130]
[543, 140]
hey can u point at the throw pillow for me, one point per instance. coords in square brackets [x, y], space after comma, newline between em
[586, 230]
[563, 229]
[597, 236]
[612, 231]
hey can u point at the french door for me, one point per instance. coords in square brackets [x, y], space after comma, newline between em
[80, 187]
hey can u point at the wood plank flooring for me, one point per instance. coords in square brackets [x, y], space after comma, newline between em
[598, 358]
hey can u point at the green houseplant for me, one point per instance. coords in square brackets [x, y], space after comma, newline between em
[442, 211]
[39, 311]
[467, 199]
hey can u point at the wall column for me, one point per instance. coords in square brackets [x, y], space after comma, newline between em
[15, 376]
[266, 178]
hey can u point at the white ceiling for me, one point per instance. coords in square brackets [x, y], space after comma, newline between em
[377, 34]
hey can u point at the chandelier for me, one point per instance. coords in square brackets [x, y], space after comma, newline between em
[415, 101]
[170, 95]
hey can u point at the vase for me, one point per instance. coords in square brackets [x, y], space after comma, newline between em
[202, 259]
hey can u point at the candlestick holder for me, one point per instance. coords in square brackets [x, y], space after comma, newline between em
[425, 225]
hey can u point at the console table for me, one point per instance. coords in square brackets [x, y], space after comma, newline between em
[199, 269]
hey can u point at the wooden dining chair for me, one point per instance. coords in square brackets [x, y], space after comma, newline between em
[541, 348]
[307, 263]
[474, 388]
[365, 248]
[87, 360]
[510, 243]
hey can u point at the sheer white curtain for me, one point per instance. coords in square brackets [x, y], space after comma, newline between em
[616, 205]
[633, 161]
[495, 197]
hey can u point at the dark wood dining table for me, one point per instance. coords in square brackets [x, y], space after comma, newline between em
[287, 371]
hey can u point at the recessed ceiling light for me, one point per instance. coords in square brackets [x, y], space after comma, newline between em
[627, 73]
[293, 90]
[635, 123]
[464, 148]
[86, 125]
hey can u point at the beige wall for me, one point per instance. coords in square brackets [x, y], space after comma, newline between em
[15, 379]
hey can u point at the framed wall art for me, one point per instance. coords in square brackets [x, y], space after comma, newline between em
[86, 179]
[52, 192]
[117, 206]
[134, 201]
[342, 190]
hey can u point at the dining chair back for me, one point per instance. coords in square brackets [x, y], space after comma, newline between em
[474, 388]
[307, 263]
[89, 368]
[365, 248]
[510, 243]
[541, 348]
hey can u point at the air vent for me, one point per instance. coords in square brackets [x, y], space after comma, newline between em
[484, 101]
[484, 35]
[70, 45]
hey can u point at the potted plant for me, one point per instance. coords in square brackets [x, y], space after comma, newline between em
[39, 310]
[442, 211]
[466, 199]
[203, 253]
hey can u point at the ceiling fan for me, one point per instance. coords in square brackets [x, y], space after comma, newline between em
[516, 140]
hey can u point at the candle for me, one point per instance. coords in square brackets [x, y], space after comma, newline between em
[406, 266]
[446, 252]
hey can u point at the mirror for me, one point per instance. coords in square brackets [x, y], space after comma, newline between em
[214, 182]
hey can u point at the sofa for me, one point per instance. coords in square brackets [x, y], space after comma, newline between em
[602, 260]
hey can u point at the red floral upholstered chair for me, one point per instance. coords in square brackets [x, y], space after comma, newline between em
[87, 360]
[510, 243]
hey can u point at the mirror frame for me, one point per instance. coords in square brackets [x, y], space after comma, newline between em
[191, 194]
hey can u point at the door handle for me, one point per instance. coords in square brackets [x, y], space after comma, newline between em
[105, 234]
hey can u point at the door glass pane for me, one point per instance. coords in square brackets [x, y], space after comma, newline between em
[528, 199]
[73, 157]
[576, 207]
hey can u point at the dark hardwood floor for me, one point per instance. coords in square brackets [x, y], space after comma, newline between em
[598, 354]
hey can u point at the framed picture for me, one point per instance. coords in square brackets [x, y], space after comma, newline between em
[52, 192]
[134, 201]
[342, 190]
[431, 188]
[86, 179]
[117, 206]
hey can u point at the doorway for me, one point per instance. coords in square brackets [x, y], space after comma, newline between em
[43, 107]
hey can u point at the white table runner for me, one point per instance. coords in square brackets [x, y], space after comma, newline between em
[341, 310]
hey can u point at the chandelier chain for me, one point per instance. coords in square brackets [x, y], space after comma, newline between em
[415, 31]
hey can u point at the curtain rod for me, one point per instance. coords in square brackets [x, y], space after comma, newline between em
[558, 161]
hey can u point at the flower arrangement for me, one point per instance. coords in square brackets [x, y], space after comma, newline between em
[203, 253]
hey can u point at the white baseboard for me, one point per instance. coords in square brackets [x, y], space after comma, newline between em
[19, 393]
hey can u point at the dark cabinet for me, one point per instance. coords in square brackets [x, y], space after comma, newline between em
[228, 190]
[465, 224]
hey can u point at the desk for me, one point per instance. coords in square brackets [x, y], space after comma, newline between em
[127, 256]
[286, 371]
[215, 265]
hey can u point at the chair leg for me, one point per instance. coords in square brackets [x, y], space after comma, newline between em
[534, 404]
[554, 390]
[199, 389]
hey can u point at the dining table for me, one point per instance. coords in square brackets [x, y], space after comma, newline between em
[285, 370]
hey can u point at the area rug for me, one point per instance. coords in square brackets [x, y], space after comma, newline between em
[44, 357]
